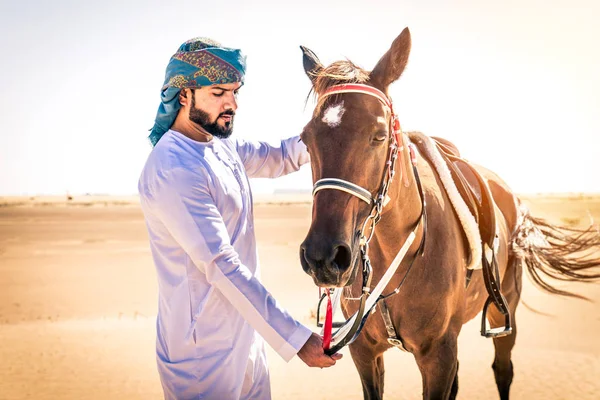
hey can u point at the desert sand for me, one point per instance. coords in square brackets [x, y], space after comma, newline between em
[78, 298]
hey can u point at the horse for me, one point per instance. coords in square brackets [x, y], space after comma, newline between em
[356, 148]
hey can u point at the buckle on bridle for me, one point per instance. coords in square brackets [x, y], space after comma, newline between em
[367, 275]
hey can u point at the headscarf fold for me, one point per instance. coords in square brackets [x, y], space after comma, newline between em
[198, 62]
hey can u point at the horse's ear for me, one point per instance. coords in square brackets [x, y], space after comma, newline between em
[311, 62]
[390, 66]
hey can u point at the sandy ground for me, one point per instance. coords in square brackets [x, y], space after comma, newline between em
[78, 305]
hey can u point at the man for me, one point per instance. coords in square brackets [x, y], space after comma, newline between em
[213, 312]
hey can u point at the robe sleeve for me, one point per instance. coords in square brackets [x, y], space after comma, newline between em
[183, 203]
[263, 160]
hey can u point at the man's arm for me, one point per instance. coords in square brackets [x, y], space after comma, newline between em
[183, 203]
[263, 160]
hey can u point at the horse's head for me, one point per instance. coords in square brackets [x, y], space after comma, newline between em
[348, 138]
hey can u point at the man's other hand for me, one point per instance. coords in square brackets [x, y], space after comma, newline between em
[313, 355]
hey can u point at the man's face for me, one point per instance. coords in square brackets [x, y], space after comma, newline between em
[213, 108]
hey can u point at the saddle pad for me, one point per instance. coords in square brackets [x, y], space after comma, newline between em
[426, 146]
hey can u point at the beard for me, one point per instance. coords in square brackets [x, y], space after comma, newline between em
[202, 118]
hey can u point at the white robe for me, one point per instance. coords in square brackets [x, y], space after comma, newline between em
[213, 312]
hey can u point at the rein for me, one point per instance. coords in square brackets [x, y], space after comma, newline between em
[350, 330]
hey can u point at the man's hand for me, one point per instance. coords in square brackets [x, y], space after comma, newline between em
[313, 355]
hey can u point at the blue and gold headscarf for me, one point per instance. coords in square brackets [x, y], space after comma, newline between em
[198, 62]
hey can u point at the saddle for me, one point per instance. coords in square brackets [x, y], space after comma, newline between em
[472, 188]
[477, 195]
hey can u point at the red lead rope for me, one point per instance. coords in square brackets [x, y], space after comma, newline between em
[328, 323]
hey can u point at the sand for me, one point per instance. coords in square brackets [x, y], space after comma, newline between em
[78, 305]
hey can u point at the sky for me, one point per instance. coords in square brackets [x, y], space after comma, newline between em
[515, 84]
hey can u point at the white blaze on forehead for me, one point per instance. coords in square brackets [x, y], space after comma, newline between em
[381, 120]
[333, 115]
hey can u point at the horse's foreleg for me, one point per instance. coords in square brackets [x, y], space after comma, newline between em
[439, 366]
[454, 390]
[371, 370]
[502, 366]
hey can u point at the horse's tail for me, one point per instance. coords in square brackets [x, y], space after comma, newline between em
[558, 252]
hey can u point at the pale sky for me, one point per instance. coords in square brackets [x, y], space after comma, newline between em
[515, 84]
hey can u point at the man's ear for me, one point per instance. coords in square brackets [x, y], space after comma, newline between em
[184, 96]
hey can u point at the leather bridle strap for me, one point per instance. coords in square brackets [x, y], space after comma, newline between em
[344, 186]
[358, 88]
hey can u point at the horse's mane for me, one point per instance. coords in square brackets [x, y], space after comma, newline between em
[337, 73]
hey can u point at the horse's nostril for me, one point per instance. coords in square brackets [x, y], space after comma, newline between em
[343, 256]
[304, 259]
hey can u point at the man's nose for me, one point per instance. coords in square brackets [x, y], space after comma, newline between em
[231, 102]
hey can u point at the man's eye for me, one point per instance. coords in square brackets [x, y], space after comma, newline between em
[218, 94]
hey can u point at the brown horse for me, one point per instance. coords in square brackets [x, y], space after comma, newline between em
[350, 139]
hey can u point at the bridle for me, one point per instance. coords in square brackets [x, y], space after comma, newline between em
[377, 203]
[396, 146]
[381, 198]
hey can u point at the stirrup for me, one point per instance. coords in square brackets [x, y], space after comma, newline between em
[494, 332]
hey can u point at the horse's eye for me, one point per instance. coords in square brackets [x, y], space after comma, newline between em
[380, 136]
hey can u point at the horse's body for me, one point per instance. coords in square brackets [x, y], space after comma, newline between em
[433, 302]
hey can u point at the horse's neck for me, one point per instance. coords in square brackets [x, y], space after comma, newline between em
[401, 216]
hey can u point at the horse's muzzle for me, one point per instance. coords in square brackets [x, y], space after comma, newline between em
[329, 265]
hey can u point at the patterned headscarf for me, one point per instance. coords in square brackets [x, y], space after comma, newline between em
[198, 62]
